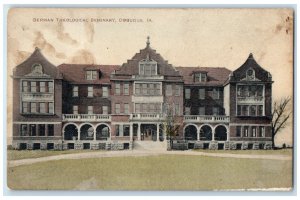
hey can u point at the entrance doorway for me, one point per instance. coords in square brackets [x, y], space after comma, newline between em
[148, 132]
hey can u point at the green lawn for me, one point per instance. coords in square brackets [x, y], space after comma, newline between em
[167, 172]
[17, 155]
[251, 152]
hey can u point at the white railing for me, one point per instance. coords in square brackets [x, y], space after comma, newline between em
[205, 118]
[142, 77]
[86, 117]
[149, 116]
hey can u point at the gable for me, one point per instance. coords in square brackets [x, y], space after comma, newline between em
[37, 66]
[250, 71]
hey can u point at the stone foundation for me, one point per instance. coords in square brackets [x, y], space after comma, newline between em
[213, 145]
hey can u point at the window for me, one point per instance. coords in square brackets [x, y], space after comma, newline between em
[157, 89]
[202, 110]
[105, 110]
[91, 75]
[90, 110]
[151, 89]
[126, 88]
[137, 108]
[23, 131]
[25, 107]
[245, 110]
[119, 130]
[261, 131]
[200, 77]
[148, 67]
[260, 111]
[215, 110]
[25, 86]
[126, 108]
[50, 87]
[32, 130]
[33, 86]
[246, 131]
[75, 91]
[42, 129]
[253, 110]
[90, 91]
[137, 89]
[177, 90]
[253, 131]
[152, 108]
[250, 91]
[187, 93]
[104, 91]
[239, 110]
[144, 89]
[126, 130]
[168, 90]
[50, 130]
[215, 93]
[144, 108]
[33, 107]
[51, 107]
[187, 110]
[42, 107]
[117, 88]
[117, 108]
[42, 87]
[238, 131]
[202, 93]
[75, 110]
[177, 109]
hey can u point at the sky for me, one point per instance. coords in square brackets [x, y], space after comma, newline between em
[184, 37]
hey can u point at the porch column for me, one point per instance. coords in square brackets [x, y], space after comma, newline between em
[228, 134]
[131, 132]
[157, 132]
[213, 135]
[139, 131]
[198, 134]
[78, 133]
[46, 131]
[94, 134]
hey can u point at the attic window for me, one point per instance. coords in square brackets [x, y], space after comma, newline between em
[200, 77]
[148, 67]
[250, 74]
[91, 75]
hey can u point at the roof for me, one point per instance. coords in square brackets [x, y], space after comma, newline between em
[75, 73]
[215, 75]
[260, 73]
[131, 67]
[36, 58]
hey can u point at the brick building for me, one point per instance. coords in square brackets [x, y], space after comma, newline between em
[80, 106]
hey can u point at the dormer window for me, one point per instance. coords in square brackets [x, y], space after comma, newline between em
[250, 74]
[148, 67]
[91, 75]
[200, 77]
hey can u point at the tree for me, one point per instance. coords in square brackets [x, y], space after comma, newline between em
[170, 127]
[280, 116]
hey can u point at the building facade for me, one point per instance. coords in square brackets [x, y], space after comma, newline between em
[80, 106]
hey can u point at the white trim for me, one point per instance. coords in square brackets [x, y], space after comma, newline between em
[35, 122]
[236, 124]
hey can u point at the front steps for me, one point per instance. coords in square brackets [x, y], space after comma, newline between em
[150, 145]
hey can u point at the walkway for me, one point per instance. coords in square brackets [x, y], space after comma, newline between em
[137, 153]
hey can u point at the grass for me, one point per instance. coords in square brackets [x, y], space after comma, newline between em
[251, 152]
[18, 155]
[166, 172]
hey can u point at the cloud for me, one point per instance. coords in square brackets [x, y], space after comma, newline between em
[83, 56]
[64, 37]
[90, 31]
[42, 43]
